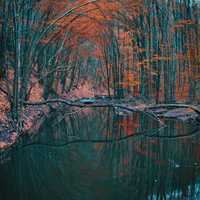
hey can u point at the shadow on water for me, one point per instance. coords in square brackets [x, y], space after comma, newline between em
[69, 159]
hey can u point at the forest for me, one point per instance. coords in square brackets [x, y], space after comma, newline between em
[62, 57]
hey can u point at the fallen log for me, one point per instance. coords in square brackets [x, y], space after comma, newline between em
[147, 109]
[98, 104]
[178, 105]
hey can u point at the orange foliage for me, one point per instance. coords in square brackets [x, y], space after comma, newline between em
[91, 22]
[86, 21]
[181, 24]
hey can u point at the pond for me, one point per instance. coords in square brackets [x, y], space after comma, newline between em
[103, 154]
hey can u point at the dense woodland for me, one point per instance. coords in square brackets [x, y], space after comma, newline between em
[121, 48]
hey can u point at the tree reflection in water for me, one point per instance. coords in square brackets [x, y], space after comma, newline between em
[47, 165]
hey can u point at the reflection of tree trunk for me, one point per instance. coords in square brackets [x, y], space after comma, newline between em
[17, 74]
[72, 125]
[108, 124]
[158, 84]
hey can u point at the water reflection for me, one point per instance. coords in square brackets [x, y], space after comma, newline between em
[48, 166]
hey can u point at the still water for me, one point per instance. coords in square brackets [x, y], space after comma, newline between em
[103, 154]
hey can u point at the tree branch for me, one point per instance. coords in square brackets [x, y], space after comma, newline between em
[65, 14]
[178, 105]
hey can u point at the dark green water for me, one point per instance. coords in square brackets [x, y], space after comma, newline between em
[68, 159]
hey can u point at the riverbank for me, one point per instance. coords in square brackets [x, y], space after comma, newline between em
[33, 115]
[35, 112]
